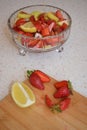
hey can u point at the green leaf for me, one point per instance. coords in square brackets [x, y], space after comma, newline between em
[29, 72]
[56, 108]
[70, 86]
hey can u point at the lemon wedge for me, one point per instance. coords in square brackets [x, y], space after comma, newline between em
[28, 27]
[23, 15]
[36, 14]
[50, 15]
[22, 95]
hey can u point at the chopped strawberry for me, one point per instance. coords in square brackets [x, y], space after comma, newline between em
[33, 42]
[42, 18]
[44, 77]
[48, 101]
[59, 15]
[32, 19]
[51, 41]
[64, 26]
[29, 34]
[24, 40]
[18, 30]
[40, 44]
[20, 22]
[57, 29]
[35, 80]
[64, 104]
[38, 25]
[45, 31]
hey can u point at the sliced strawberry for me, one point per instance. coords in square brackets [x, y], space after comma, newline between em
[29, 34]
[32, 19]
[35, 80]
[38, 25]
[33, 42]
[64, 26]
[18, 30]
[51, 41]
[59, 15]
[59, 84]
[44, 77]
[20, 22]
[24, 41]
[57, 29]
[64, 104]
[48, 101]
[45, 31]
[42, 18]
[40, 44]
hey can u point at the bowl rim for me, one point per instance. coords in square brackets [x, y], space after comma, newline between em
[46, 37]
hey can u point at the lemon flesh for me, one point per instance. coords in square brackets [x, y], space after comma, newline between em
[23, 15]
[36, 14]
[50, 15]
[22, 95]
[28, 27]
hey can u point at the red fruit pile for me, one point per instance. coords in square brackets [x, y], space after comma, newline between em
[63, 90]
[44, 24]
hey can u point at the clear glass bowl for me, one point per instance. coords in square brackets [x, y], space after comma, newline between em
[22, 41]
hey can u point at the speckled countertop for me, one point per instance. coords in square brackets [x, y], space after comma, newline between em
[70, 64]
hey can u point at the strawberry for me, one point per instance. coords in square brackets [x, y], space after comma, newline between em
[64, 89]
[20, 22]
[40, 44]
[61, 106]
[35, 80]
[33, 42]
[48, 101]
[62, 92]
[45, 32]
[64, 26]
[64, 104]
[59, 15]
[18, 30]
[44, 77]
[59, 84]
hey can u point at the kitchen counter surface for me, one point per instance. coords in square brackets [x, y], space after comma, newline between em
[70, 64]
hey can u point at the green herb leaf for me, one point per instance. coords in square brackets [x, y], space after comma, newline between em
[29, 72]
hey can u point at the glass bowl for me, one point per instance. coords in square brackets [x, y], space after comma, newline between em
[44, 44]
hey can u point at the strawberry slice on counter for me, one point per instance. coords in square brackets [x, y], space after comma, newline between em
[48, 101]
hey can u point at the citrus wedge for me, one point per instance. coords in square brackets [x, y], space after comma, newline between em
[51, 16]
[22, 95]
[23, 15]
[36, 14]
[28, 27]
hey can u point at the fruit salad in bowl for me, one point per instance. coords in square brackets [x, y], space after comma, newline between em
[39, 28]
